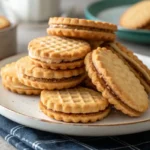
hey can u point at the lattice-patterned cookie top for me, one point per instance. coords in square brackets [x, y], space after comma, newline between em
[58, 49]
[76, 22]
[76, 100]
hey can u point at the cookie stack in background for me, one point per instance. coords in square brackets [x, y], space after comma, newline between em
[137, 16]
[56, 64]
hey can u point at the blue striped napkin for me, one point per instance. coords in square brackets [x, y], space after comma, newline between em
[24, 138]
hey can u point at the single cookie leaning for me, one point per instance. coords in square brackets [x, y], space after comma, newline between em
[116, 82]
[81, 28]
[58, 52]
[4, 23]
[74, 105]
[12, 83]
[32, 75]
[136, 16]
[136, 66]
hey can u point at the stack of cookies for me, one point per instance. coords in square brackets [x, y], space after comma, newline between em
[79, 50]
[53, 63]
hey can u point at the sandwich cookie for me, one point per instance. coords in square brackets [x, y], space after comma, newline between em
[74, 105]
[58, 52]
[32, 75]
[4, 22]
[140, 70]
[12, 83]
[116, 82]
[81, 28]
[137, 16]
[88, 83]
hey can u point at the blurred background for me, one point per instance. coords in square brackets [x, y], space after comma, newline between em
[31, 18]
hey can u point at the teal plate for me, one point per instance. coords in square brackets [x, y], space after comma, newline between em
[110, 11]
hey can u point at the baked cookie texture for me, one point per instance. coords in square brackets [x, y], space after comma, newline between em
[137, 16]
[81, 28]
[116, 82]
[4, 22]
[80, 52]
[12, 83]
[74, 105]
[31, 75]
[58, 50]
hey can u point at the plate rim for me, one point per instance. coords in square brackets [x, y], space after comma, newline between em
[6, 60]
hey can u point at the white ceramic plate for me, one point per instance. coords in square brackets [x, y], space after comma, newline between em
[24, 110]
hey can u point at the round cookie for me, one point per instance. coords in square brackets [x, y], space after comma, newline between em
[58, 50]
[11, 82]
[4, 23]
[61, 66]
[119, 85]
[74, 105]
[37, 77]
[136, 16]
[81, 28]
[140, 70]
[25, 66]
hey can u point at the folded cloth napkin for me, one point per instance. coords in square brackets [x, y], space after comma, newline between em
[24, 138]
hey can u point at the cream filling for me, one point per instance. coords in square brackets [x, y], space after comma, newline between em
[111, 91]
[76, 27]
[130, 60]
[49, 60]
[49, 80]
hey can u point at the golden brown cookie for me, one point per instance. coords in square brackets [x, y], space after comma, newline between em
[51, 84]
[81, 28]
[137, 16]
[136, 66]
[4, 22]
[119, 86]
[31, 75]
[25, 66]
[92, 73]
[11, 82]
[74, 105]
[53, 49]
[61, 66]
[75, 118]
